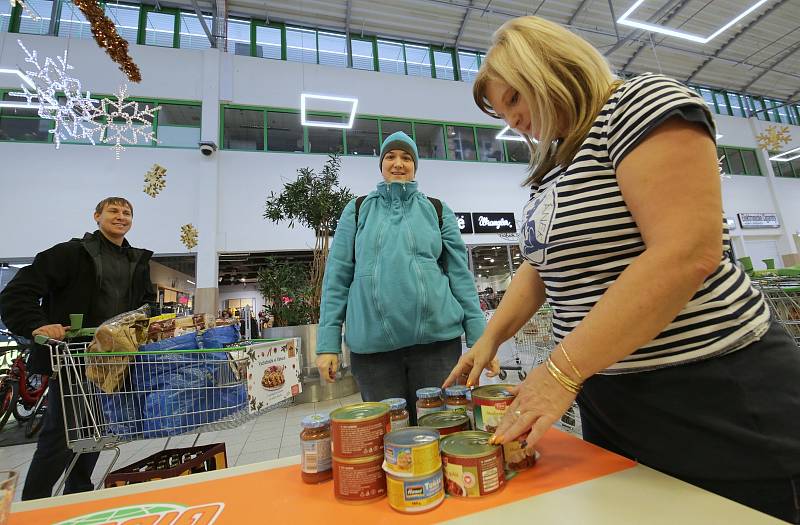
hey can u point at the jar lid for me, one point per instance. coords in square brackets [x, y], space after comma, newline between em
[315, 421]
[456, 390]
[395, 403]
[429, 393]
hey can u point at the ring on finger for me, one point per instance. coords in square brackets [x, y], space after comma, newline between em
[518, 413]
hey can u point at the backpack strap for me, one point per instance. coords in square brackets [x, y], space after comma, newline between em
[437, 204]
[359, 202]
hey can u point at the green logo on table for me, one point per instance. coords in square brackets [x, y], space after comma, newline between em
[199, 515]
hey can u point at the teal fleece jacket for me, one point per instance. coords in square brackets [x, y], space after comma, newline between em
[395, 294]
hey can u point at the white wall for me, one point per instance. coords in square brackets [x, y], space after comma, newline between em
[49, 195]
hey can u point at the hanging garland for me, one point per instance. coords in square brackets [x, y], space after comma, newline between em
[106, 36]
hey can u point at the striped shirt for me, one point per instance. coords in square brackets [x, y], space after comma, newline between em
[580, 236]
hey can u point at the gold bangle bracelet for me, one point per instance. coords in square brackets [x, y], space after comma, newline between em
[571, 364]
[562, 379]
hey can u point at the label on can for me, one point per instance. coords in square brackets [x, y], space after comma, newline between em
[515, 455]
[359, 481]
[416, 494]
[315, 456]
[357, 431]
[490, 405]
[473, 467]
[412, 452]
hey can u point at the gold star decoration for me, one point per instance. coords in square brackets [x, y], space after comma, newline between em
[774, 137]
[155, 180]
[106, 36]
[189, 236]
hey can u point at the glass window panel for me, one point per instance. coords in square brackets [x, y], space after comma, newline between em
[301, 45]
[179, 125]
[430, 141]
[460, 143]
[418, 61]
[737, 108]
[708, 96]
[490, 265]
[490, 149]
[750, 162]
[723, 160]
[735, 163]
[159, 29]
[393, 126]
[17, 112]
[390, 58]
[469, 66]
[518, 151]
[792, 114]
[362, 138]
[443, 61]
[5, 16]
[783, 112]
[284, 132]
[24, 129]
[779, 170]
[325, 140]
[239, 37]
[42, 9]
[363, 55]
[758, 105]
[268, 42]
[722, 104]
[332, 49]
[795, 167]
[72, 23]
[126, 19]
[243, 129]
[192, 34]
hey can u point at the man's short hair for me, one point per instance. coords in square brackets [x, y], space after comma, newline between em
[113, 201]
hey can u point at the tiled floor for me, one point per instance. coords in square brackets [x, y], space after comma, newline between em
[270, 436]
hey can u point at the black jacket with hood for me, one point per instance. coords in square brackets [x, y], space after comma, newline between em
[66, 280]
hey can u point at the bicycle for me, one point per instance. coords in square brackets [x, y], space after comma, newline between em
[21, 393]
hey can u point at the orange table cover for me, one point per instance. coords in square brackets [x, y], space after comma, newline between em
[277, 496]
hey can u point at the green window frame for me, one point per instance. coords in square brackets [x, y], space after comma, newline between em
[173, 102]
[254, 40]
[33, 117]
[746, 157]
[142, 38]
[374, 47]
[453, 64]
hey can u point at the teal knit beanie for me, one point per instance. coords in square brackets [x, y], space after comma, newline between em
[399, 140]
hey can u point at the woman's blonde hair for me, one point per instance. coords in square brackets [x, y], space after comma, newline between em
[564, 80]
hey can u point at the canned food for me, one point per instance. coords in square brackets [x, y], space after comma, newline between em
[358, 430]
[446, 421]
[412, 452]
[359, 480]
[490, 403]
[416, 494]
[472, 466]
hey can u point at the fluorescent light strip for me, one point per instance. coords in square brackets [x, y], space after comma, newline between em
[681, 34]
[25, 78]
[321, 124]
[779, 157]
[513, 135]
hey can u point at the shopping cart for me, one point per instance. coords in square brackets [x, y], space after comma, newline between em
[163, 394]
[532, 345]
[782, 294]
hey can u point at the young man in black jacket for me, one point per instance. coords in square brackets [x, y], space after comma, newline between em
[99, 276]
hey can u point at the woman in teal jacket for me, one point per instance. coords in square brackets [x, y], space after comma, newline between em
[401, 285]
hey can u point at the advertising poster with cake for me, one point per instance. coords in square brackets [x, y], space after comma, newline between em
[273, 373]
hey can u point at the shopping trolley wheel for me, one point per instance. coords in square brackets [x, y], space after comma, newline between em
[502, 375]
[522, 375]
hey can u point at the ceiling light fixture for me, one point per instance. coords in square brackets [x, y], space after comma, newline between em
[512, 135]
[322, 124]
[781, 158]
[624, 20]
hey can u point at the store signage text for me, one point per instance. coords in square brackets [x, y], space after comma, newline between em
[494, 223]
[759, 220]
[464, 220]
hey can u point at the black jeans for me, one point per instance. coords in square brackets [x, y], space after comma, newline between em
[729, 424]
[399, 373]
[52, 456]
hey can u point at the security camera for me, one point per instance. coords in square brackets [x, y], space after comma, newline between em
[207, 148]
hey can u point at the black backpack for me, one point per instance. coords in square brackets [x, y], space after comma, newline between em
[437, 204]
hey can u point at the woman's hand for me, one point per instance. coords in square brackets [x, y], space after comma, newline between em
[328, 365]
[472, 363]
[540, 402]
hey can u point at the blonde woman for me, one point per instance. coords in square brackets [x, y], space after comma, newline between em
[666, 345]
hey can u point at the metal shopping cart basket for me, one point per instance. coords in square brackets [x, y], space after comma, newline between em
[532, 344]
[163, 394]
[782, 294]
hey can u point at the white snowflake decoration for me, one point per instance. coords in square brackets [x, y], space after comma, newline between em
[155, 180]
[75, 117]
[722, 175]
[125, 122]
